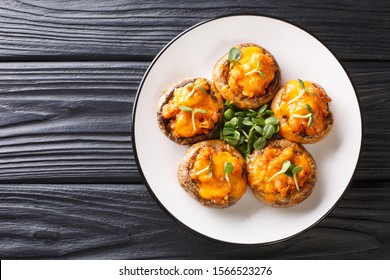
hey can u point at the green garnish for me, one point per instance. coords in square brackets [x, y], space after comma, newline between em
[303, 86]
[285, 166]
[301, 92]
[256, 70]
[193, 112]
[309, 116]
[289, 169]
[208, 168]
[248, 129]
[194, 87]
[227, 169]
[185, 108]
[234, 56]
[294, 172]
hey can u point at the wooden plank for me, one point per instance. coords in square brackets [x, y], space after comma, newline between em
[123, 222]
[71, 122]
[371, 82]
[137, 30]
[67, 122]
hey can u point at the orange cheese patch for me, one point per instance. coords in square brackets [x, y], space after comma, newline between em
[294, 103]
[204, 114]
[211, 179]
[252, 75]
[269, 163]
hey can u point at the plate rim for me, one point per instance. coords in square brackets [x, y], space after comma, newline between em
[133, 143]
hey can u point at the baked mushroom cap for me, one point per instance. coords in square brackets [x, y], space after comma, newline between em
[213, 173]
[190, 111]
[302, 108]
[273, 186]
[250, 81]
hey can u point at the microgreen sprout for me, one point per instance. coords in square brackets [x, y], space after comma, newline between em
[227, 169]
[194, 87]
[208, 168]
[285, 166]
[234, 56]
[256, 70]
[248, 129]
[288, 169]
[309, 116]
[294, 172]
[193, 112]
[301, 91]
[301, 83]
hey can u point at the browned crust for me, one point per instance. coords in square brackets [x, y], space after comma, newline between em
[164, 123]
[294, 197]
[220, 76]
[187, 164]
[303, 138]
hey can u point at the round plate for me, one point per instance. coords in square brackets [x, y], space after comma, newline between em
[193, 53]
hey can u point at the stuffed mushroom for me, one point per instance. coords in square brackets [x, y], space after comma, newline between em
[213, 173]
[190, 111]
[302, 108]
[248, 76]
[283, 174]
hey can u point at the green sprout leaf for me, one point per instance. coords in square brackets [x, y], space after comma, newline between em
[194, 87]
[208, 168]
[301, 83]
[294, 172]
[262, 109]
[185, 108]
[256, 70]
[308, 107]
[193, 112]
[234, 56]
[303, 86]
[229, 114]
[260, 143]
[200, 111]
[200, 88]
[247, 122]
[227, 169]
[309, 116]
[269, 130]
[228, 131]
[285, 166]
[301, 92]
[288, 169]
[271, 120]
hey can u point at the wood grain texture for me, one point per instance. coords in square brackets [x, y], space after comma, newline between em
[37, 30]
[67, 122]
[123, 222]
[371, 81]
[71, 122]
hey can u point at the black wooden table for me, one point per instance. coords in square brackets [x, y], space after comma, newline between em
[69, 184]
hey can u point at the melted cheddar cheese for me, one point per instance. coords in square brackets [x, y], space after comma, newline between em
[242, 78]
[269, 163]
[294, 103]
[191, 96]
[211, 182]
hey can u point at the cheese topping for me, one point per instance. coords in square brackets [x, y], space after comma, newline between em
[212, 182]
[269, 163]
[204, 114]
[243, 77]
[293, 108]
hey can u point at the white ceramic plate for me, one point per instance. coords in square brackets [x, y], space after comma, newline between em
[194, 53]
